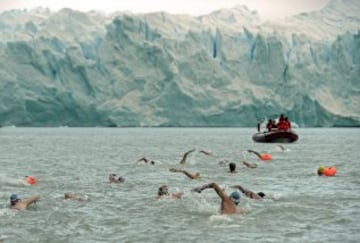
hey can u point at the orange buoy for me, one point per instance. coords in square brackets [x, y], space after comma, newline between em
[329, 171]
[31, 180]
[266, 157]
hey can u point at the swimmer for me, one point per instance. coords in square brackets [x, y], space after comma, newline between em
[147, 161]
[252, 166]
[206, 152]
[31, 180]
[163, 192]
[232, 167]
[191, 176]
[113, 178]
[261, 156]
[228, 203]
[183, 160]
[21, 204]
[249, 193]
[72, 196]
[327, 171]
[320, 170]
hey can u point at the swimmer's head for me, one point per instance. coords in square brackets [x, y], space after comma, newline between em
[320, 170]
[235, 197]
[152, 162]
[261, 194]
[14, 198]
[121, 179]
[232, 167]
[163, 190]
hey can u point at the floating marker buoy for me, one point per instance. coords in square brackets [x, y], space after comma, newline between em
[266, 157]
[330, 171]
[31, 180]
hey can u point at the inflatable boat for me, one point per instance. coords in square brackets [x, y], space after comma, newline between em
[275, 136]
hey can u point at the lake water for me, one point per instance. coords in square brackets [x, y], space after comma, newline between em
[300, 206]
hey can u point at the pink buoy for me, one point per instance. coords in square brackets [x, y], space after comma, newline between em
[266, 157]
[31, 180]
[329, 171]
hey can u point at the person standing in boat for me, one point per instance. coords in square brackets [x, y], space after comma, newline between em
[287, 124]
[280, 124]
[269, 125]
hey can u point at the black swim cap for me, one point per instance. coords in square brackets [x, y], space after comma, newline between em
[261, 194]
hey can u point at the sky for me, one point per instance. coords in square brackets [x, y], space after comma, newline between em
[268, 9]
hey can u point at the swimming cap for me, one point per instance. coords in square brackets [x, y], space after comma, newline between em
[261, 194]
[163, 190]
[235, 197]
[320, 170]
[14, 198]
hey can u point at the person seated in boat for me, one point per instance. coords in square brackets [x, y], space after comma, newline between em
[113, 178]
[250, 194]
[190, 175]
[281, 118]
[163, 192]
[273, 125]
[284, 125]
[21, 204]
[269, 125]
[287, 124]
[228, 202]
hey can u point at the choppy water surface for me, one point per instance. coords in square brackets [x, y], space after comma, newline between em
[302, 207]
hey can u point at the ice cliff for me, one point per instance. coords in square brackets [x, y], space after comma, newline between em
[228, 68]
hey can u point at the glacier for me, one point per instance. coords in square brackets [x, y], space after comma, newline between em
[227, 68]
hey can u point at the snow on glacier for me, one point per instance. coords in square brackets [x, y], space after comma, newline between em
[228, 68]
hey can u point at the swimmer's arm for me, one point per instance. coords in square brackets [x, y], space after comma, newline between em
[201, 188]
[216, 187]
[218, 190]
[254, 152]
[31, 200]
[249, 165]
[240, 188]
[188, 174]
[245, 191]
[177, 194]
[175, 170]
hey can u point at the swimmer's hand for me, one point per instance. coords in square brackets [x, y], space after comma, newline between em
[201, 188]
[177, 194]
[174, 170]
[198, 190]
